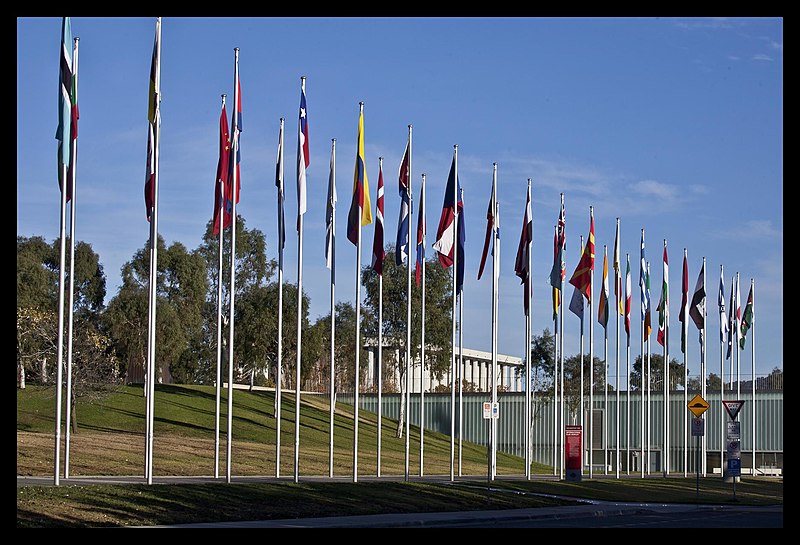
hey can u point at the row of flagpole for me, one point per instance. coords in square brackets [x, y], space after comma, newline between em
[449, 246]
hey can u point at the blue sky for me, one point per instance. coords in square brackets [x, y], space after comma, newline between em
[671, 125]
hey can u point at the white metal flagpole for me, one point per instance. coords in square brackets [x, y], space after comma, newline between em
[378, 267]
[330, 253]
[281, 244]
[220, 186]
[421, 264]
[236, 129]
[456, 219]
[407, 381]
[72, 168]
[618, 297]
[303, 161]
[495, 317]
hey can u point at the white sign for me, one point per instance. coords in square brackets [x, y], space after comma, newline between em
[487, 410]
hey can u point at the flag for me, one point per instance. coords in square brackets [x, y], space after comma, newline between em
[618, 275]
[648, 326]
[582, 277]
[64, 131]
[279, 185]
[378, 251]
[697, 308]
[628, 296]
[747, 317]
[737, 312]
[733, 325]
[663, 304]
[421, 230]
[490, 215]
[682, 316]
[73, 122]
[445, 233]
[602, 305]
[462, 239]
[360, 213]
[154, 119]
[222, 169]
[329, 210]
[234, 167]
[642, 279]
[404, 179]
[558, 273]
[556, 289]
[723, 318]
[576, 303]
[303, 154]
[525, 239]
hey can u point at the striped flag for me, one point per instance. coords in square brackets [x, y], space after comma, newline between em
[582, 277]
[404, 180]
[628, 296]
[445, 233]
[558, 273]
[747, 317]
[421, 231]
[64, 131]
[154, 121]
[222, 169]
[683, 315]
[648, 322]
[697, 308]
[663, 304]
[556, 290]
[642, 283]
[733, 327]
[378, 251]
[618, 275]
[523, 250]
[360, 213]
[723, 318]
[303, 154]
[490, 220]
[236, 155]
[330, 208]
[462, 240]
[602, 305]
[279, 185]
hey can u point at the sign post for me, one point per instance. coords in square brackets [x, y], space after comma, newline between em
[698, 406]
[734, 454]
[572, 451]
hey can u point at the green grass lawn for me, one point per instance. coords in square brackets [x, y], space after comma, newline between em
[110, 441]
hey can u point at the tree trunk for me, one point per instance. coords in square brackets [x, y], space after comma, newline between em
[74, 416]
[21, 376]
[401, 419]
[44, 370]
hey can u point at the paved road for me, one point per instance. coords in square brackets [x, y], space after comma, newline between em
[589, 515]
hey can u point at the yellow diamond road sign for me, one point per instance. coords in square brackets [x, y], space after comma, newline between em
[698, 405]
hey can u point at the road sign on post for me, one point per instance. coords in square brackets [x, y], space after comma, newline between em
[733, 407]
[698, 405]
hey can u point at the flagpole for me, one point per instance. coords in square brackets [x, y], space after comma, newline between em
[358, 301]
[556, 300]
[455, 294]
[154, 253]
[332, 265]
[279, 362]
[618, 294]
[627, 365]
[591, 339]
[562, 428]
[685, 332]
[221, 222]
[302, 162]
[605, 382]
[649, 378]
[642, 375]
[583, 416]
[753, 360]
[528, 317]
[703, 365]
[723, 323]
[495, 319]
[59, 375]
[665, 296]
[232, 294]
[73, 164]
[408, 316]
[421, 219]
[460, 373]
[738, 337]
[379, 223]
